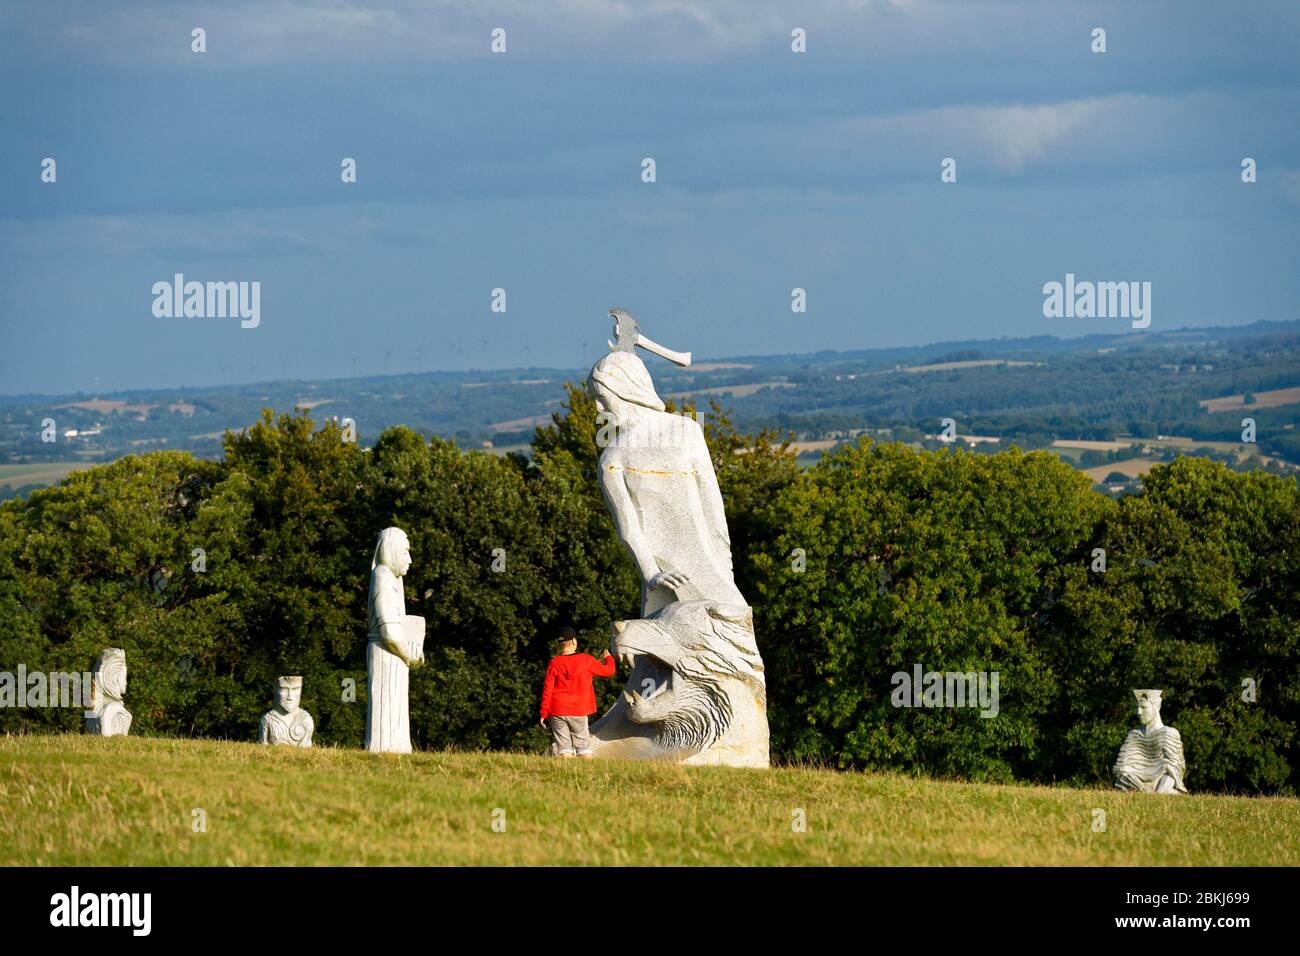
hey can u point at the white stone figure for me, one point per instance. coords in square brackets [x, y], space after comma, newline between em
[658, 483]
[287, 723]
[395, 645]
[108, 715]
[697, 693]
[1151, 757]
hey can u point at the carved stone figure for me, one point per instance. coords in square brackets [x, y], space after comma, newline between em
[1151, 757]
[108, 715]
[697, 693]
[287, 723]
[395, 645]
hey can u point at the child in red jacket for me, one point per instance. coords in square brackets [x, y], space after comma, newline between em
[568, 697]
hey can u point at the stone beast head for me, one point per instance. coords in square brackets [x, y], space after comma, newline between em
[696, 693]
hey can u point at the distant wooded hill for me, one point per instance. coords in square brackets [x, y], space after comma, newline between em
[1195, 384]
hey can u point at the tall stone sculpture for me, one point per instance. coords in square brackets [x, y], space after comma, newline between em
[108, 715]
[395, 645]
[1151, 757]
[287, 723]
[697, 693]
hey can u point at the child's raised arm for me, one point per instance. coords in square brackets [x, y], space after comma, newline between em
[605, 669]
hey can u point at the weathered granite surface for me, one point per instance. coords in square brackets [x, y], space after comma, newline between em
[1151, 757]
[697, 693]
[287, 723]
[108, 715]
[395, 645]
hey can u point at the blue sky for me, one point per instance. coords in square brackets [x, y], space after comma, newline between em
[522, 170]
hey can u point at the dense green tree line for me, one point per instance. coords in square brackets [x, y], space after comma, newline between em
[963, 562]
[949, 560]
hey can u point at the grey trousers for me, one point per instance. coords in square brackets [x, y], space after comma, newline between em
[569, 736]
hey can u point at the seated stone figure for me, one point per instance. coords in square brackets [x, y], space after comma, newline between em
[108, 716]
[287, 723]
[1151, 758]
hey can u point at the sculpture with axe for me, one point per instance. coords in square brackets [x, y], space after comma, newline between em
[627, 336]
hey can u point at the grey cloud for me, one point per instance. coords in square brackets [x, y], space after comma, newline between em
[131, 33]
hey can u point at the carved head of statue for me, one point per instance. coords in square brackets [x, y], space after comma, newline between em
[393, 551]
[1148, 704]
[622, 376]
[288, 692]
[109, 681]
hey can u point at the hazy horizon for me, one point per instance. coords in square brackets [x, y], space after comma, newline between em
[651, 360]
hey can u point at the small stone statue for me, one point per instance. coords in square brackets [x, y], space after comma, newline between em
[108, 715]
[1151, 758]
[287, 723]
[396, 644]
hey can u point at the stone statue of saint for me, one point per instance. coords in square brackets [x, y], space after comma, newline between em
[287, 723]
[396, 644]
[108, 715]
[697, 692]
[1151, 757]
[659, 485]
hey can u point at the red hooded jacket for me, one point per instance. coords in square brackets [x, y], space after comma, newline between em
[568, 691]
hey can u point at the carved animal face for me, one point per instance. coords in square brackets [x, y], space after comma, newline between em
[689, 661]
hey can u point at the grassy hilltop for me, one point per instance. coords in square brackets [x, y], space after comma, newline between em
[78, 800]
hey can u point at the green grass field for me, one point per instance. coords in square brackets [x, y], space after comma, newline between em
[86, 801]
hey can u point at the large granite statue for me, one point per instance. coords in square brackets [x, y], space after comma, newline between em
[287, 723]
[1151, 757]
[108, 715]
[696, 694]
[396, 644]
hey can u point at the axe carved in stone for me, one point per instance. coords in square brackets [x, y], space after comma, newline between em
[627, 336]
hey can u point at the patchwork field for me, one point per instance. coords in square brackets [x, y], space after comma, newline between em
[38, 473]
[138, 801]
[112, 406]
[969, 363]
[1271, 399]
[1174, 441]
[735, 391]
[1083, 444]
[518, 424]
[1134, 468]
